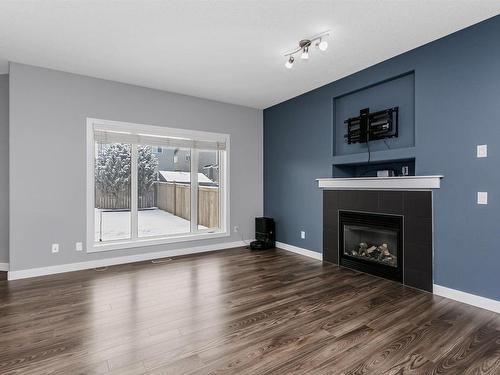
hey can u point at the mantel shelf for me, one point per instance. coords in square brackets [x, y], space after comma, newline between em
[381, 183]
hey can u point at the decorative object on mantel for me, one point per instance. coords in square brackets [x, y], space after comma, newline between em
[381, 183]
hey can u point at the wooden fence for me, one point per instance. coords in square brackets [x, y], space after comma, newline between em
[170, 197]
[176, 199]
[208, 206]
[121, 200]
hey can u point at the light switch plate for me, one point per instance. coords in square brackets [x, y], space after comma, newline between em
[482, 151]
[482, 197]
[55, 248]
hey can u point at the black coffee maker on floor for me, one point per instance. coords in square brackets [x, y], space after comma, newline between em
[265, 236]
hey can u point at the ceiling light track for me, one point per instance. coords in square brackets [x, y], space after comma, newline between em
[319, 42]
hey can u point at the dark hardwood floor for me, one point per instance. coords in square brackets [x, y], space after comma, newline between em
[238, 312]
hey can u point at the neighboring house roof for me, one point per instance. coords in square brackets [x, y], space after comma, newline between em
[184, 177]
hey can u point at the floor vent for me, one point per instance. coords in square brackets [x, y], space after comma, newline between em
[159, 261]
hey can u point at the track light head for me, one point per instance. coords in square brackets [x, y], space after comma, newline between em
[322, 45]
[304, 45]
[289, 63]
[305, 53]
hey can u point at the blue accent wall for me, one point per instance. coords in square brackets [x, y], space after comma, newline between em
[457, 98]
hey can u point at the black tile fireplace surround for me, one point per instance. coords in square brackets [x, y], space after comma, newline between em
[395, 223]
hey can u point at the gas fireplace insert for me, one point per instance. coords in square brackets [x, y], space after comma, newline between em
[372, 243]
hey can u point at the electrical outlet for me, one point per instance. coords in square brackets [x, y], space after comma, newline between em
[79, 246]
[482, 151]
[302, 234]
[55, 248]
[482, 197]
[236, 229]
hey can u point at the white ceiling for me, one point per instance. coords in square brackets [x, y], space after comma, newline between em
[231, 51]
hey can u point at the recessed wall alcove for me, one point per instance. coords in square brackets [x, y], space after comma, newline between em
[352, 160]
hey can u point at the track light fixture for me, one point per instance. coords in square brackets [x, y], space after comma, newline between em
[319, 41]
[289, 63]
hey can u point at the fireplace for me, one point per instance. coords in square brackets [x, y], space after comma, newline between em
[371, 242]
[384, 233]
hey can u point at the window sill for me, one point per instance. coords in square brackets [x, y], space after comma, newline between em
[129, 244]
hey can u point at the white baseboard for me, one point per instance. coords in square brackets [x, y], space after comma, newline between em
[299, 250]
[51, 270]
[4, 267]
[470, 299]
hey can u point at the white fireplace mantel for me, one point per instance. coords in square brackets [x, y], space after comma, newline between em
[381, 183]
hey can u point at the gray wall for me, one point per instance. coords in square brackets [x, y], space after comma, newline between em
[4, 168]
[48, 110]
[457, 95]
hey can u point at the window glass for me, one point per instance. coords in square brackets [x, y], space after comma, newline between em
[164, 191]
[208, 189]
[112, 175]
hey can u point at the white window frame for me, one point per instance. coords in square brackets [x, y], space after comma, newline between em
[135, 241]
